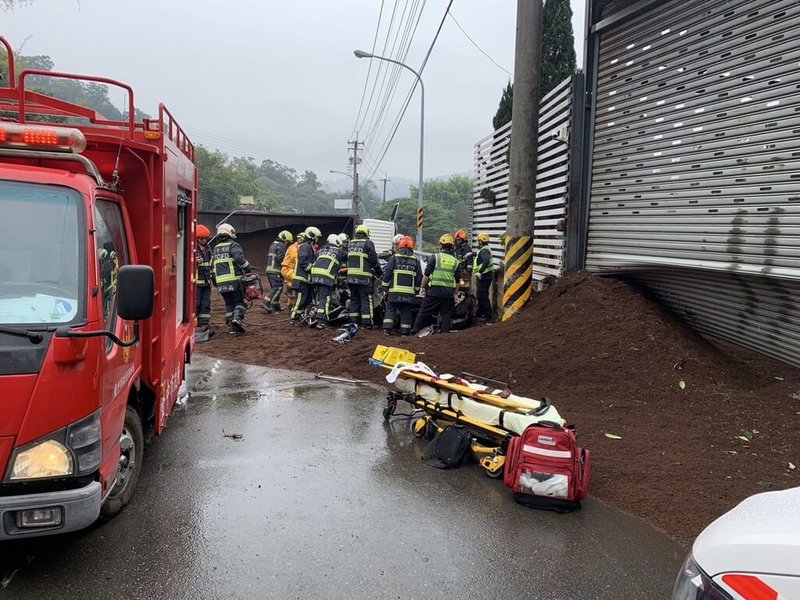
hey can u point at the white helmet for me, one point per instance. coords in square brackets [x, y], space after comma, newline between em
[226, 229]
[313, 233]
[344, 238]
[334, 240]
[396, 239]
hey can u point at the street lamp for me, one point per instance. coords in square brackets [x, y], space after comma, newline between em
[356, 206]
[362, 54]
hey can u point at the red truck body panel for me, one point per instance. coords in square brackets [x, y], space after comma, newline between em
[149, 177]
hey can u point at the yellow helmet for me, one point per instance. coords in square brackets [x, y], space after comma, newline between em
[446, 240]
[483, 237]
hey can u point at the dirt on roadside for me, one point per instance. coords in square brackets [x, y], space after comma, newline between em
[704, 424]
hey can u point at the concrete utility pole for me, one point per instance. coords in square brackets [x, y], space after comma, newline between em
[355, 160]
[517, 284]
[384, 180]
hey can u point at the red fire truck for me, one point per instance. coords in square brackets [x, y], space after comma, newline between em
[97, 223]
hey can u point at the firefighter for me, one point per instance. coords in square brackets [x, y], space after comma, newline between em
[483, 269]
[439, 287]
[401, 277]
[275, 256]
[463, 252]
[362, 264]
[203, 278]
[301, 279]
[288, 264]
[229, 264]
[344, 239]
[323, 276]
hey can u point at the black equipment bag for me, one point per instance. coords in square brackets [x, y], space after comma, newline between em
[448, 449]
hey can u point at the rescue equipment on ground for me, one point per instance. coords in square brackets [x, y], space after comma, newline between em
[546, 469]
[348, 332]
[494, 417]
[252, 287]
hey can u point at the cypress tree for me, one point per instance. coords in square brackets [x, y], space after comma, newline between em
[558, 56]
[558, 45]
[503, 114]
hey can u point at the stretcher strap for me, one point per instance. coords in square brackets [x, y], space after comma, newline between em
[450, 404]
[502, 413]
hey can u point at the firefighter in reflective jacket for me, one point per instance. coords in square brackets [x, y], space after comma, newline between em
[441, 275]
[288, 265]
[402, 278]
[275, 256]
[483, 269]
[463, 252]
[362, 263]
[301, 278]
[229, 264]
[203, 277]
[323, 276]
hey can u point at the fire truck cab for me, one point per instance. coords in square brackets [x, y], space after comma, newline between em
[97, 225]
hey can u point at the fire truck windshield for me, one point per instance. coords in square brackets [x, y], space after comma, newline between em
[41, 264]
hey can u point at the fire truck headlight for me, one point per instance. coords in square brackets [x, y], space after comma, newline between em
[49, 458]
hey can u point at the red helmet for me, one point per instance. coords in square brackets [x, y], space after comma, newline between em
[461, 235]
[203, 231]
[406, 242]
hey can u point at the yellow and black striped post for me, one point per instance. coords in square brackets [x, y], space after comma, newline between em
[420, 218]
[517, 283]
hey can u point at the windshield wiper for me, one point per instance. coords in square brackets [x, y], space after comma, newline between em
[33, 336]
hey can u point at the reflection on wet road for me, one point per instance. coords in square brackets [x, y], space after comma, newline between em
[322, 499]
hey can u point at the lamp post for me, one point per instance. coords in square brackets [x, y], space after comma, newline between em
[362, 54]
[356, 204]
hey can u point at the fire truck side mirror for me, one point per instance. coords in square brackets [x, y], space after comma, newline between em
[135, 292]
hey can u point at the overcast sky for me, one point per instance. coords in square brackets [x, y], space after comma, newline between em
[278, 79]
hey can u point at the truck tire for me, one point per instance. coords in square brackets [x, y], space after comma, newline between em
[131, 443]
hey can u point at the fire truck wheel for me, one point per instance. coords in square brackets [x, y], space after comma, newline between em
[131, 445]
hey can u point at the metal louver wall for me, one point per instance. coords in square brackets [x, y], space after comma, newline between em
[491, 172]
[696, 164]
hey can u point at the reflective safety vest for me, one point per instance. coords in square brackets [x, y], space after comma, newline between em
[478, 266]
[326, 266]
[404, 276]
[444, 273]
[224, 264]
[203, 259]
[273, 261]
[358, 259]
[300, 274]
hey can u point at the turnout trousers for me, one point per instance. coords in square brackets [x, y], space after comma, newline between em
[203, 305]
[396, 309]
[304, 294]
[276, 287]
[433, 307]
[360, 310]
[484, 304]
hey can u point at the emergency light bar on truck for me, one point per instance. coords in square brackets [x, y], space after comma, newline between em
[36, 137]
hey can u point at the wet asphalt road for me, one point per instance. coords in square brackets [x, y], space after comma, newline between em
[321, 499]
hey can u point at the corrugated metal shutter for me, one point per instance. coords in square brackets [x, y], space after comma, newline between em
[552, 177]
[696, 164]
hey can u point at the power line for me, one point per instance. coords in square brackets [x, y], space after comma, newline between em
[411, 91]
[366, 80]
[380, 66]
[478, 47]
[375, 131]
[392, 70]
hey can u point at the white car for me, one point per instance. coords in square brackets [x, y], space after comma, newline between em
[750, 553]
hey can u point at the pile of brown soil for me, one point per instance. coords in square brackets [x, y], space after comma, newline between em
[703, 424]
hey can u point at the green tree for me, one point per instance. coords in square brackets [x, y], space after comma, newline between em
[558, 56]
[503, 114]
[558, 45]
[447, 205]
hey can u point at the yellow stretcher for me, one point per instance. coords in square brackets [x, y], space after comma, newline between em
[487, 408]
